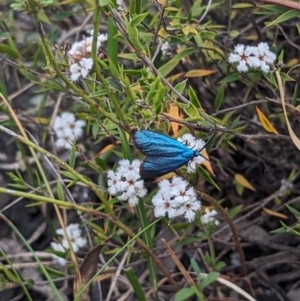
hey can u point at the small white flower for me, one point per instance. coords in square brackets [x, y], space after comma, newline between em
[75, 71]
[286, 185]
[126, 183]
[67, 130]
[208, 217]
[241, 55]
[59, 248]
[64, 142]
[102, 37]
[175, 198]
[195, 144]
[77, 241]
[191, 206]
[81, 69]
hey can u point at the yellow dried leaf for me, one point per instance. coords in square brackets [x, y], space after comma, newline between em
[274, 213]
[265, 122]
[175, 77]
[206, 162]
[240, 179]
[167, 176]
[162, 2]
[105, 149]
[199, 73]
[189, 29]
[42, 120]
[174, 112]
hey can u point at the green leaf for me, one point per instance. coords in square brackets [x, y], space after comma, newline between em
[285, 77]
[294, 212]
[201, 171]
[167, 68]
[138, 19]
[283, 17]
[137, 288]
[210, 278]
[181, 86]
[185, 293]
[134, 37]
[231, 78]
[235, 211]
[220, 265]
[9, 51]
[104, 3]
[148, 238]
[271, 79]
[195, 266]
[72, 158]
[158, 98]
[153, 89]
[190, 110]
[125, 145]
[194, 99]
[98, 93]
[112, 47]
[60, 192]
[219, 98]
[69, 175]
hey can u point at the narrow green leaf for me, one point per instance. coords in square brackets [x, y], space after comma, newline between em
[293, 211]
[112, 47]
[194, 99]
[181, 86]
[195, 266]
[148, 238]
[134, 37]
[235, 211]
[219, 98]
[210, 278]
[138, 19]
[207, 177]
[72, 158]
[103, 3]
[283, 17]
[60, 192]
[185, 294]
[231, 78]
[167, 68]
[133, 279]
[125, 145]
[9, 51]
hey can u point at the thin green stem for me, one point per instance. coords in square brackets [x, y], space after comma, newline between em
[42, 267]
[68, 83]
[223, 212]
[62, 164]
[91, 211]
[111, 96]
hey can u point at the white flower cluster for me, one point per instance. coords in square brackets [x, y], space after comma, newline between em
[208, 217]
[176, 198]
[125, 182]
[74, 233]
[79, 55]
[67, 129]
[256, 57]
[195, 144]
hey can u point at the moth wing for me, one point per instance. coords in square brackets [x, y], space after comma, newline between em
[153, 167]
[158, 145]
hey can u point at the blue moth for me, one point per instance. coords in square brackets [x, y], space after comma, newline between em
[163, 153]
